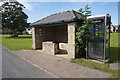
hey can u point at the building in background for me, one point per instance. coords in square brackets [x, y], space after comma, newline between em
[115, 28]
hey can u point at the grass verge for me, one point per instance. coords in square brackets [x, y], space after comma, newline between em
[98, 66]
[114, 57]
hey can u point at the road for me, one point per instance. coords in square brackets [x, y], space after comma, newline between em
[15, 67]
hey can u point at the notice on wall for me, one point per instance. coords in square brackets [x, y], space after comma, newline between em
[40, 32]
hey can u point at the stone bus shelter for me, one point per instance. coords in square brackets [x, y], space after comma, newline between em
[55, 34]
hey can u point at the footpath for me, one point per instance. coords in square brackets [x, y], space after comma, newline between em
[58, 66]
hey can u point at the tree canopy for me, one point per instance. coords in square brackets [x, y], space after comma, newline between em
[13, 17]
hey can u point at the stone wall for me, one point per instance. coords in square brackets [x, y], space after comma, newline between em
[33, 37]
[52, 33]
[62, 34]
[36, 39]
[71, 40]
[49, 47]
[70, 46]
[55, 33]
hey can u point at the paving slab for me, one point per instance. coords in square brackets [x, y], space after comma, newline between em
[115, 66]
[60, 66]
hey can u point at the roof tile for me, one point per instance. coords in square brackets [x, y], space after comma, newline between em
[67, 16]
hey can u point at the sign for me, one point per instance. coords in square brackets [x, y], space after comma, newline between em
[96, 29]
[40, 32]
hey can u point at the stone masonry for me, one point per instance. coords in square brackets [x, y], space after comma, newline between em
[63, 35]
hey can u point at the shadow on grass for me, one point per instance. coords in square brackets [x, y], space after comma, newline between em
[21, 37]
[114, 54]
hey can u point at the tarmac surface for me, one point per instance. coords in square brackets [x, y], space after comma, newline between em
[15, 67]
[58, 66]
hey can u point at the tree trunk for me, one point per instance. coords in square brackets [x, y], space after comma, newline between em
[21, 33]
[14, 34]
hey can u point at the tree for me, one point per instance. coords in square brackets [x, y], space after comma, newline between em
[82, 32]
[13, 17]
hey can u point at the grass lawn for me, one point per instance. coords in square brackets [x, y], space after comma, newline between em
[114, 57]
[114, 48]
[17, 43]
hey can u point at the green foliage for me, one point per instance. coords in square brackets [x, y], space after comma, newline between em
[13, 17]
[82, 31]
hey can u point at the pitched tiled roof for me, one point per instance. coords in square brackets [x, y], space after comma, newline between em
[64, 17]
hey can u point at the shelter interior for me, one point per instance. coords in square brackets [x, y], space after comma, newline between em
[50, 37]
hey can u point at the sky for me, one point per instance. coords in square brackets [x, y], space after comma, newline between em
[37, 10]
